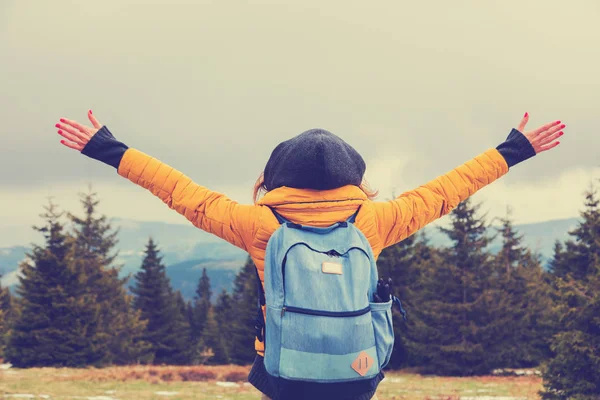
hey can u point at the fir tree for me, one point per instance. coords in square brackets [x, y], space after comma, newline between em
[225, 314]
[5, 308]
[573, 370]
[189, 314]
[403, 263]
[94, 243]
[5, 297]
[192, 352]
[166, 324]
[202, 306]
[181, 304]
[512, 252]
[128, 345]
[58, 319]
[3, 330]
[245, 306]
[520, 275]
[461, 322]
[214, 340]
[578, 258]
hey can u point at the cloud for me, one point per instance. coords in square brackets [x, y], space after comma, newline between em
[211, 88]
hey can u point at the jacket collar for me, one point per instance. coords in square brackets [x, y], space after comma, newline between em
[315, 207]
[290, 196]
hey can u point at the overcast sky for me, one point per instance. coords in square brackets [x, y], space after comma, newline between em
[211, 87]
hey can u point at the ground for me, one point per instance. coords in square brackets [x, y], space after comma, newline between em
[227, 382]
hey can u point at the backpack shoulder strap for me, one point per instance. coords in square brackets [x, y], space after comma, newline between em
[280, 219]
[352, 218]
[259, 324]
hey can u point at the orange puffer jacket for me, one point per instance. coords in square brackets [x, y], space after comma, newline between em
[250, 226]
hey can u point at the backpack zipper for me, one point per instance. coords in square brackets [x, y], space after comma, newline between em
[333, 253]
[334, 314]
[330, 253]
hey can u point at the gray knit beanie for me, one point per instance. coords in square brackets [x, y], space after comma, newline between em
[316, 159]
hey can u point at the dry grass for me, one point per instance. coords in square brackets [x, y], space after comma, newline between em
[413, 386]
[200, 382]
[228, 373]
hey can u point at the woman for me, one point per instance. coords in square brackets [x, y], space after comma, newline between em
[312, 179]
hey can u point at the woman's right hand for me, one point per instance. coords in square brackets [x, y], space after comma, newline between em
[77, 135]
[543, 138]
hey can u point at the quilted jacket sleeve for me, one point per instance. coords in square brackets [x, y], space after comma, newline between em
[210, 211]
[411, 211]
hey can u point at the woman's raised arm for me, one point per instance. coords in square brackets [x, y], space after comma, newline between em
[399, 218]
[210, 211]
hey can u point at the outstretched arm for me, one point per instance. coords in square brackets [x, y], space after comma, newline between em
[411, 211]
[210, 211]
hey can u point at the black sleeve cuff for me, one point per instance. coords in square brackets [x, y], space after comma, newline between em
[104, 147]
[516, 148]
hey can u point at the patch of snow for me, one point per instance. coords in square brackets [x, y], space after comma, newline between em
[44, 396]
[100, 398]
[516, 372]
[166, 393]
[228, 384]
[396, 380]
[493, 398]
[20, 396]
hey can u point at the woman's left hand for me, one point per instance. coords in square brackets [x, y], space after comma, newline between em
[544, 137]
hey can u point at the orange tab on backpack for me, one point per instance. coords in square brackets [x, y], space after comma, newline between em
[362, 364]
[331, 268]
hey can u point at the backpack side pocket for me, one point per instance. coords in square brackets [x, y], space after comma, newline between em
[273, 340]
[381, 316]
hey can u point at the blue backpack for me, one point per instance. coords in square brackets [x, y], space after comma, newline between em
[323, 333]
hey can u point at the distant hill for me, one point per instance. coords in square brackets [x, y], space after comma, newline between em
[10, 257]
[187, 250]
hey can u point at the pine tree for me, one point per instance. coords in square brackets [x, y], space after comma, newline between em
[3, 330]
[573, 370]
[225, 314]
[214, 340]
[128, 346]
[189, 314]
[58, 319]
[459, 323]
[5, 297]
[185, 329]
[181, 304]
[245, 306]
[520, 275]
[166, 324]
[5, 308]
[94, 243]
[512, 252]
[403, 263]
[578, 258]
[202, 306]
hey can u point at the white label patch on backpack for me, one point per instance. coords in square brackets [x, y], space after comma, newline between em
[331, 268]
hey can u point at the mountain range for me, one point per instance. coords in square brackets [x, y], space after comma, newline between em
[187, 250]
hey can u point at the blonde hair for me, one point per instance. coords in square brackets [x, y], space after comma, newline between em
[260, 188]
